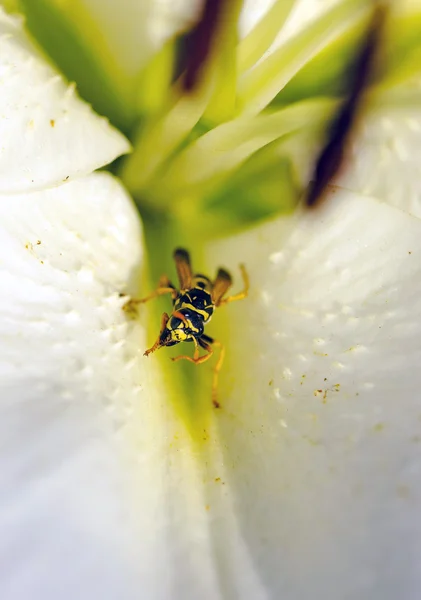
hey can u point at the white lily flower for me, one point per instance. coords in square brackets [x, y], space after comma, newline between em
[120, 481]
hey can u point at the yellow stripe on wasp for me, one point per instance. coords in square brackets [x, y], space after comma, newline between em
[193, 307]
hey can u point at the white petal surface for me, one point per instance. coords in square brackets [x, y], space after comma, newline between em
[384, 154]
[168, 17]
[321, 422]
[47, 134]
[65, 256]
[122, 26]
[134, 29]
[382, 157]
[101, 495]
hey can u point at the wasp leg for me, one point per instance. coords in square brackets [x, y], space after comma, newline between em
[206, 341]
[164, 321]
[240, 295]
[197, 360]
[164, 287]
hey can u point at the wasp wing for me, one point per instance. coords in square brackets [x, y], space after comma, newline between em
[183, 266]
[221, 285]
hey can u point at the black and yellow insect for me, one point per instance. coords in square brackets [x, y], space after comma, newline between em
[193, 306]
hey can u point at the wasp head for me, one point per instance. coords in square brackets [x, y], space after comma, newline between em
[180, 327]
[184, 326]
[169, 337]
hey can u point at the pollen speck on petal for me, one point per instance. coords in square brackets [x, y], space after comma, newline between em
[34, 153]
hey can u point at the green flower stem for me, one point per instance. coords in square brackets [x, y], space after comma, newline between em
[222, 102]
[326, 74]
[254, 45]
[259, 86]
[402, 53]
[155, 81]
[161, 136]
[210, 159]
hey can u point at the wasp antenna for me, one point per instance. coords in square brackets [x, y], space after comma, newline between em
[182, 254]
[158, 344]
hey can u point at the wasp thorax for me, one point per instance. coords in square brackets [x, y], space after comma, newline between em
[191, 325]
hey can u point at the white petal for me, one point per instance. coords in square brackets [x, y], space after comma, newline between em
[122, 27]
[382, 159]
[168, 17]
[66, 255]
[101, 493]
[384, 155]
[134, 29]
[320, 425]
[47, 134]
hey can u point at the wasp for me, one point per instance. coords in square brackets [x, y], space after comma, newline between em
[193, 306]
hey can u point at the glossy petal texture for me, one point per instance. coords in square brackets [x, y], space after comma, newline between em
[382, 157]
[304, 484]
[321, 421]
[384, 154]
[320, 415]
[47, 134]
[101, 491]
[68, 384]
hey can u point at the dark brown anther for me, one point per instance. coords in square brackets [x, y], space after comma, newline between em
[333, 153]
[199, 42]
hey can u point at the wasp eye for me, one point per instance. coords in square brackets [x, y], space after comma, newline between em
[166, 338]
[172, 342]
